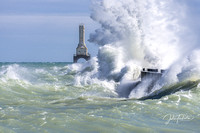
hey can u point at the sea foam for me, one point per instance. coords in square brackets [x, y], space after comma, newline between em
[137, 34]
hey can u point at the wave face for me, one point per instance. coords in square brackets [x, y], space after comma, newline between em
[60, 97]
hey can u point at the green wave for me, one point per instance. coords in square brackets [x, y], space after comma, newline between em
[167, 90]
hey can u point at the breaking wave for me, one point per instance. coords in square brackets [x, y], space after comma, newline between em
[134, 34]
[137, 34]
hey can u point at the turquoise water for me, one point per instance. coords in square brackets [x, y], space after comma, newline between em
[44, 97]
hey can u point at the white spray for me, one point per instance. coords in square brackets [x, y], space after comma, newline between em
[145, 31]
[136, 34]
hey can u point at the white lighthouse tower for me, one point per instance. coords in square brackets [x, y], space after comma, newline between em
[81, 50]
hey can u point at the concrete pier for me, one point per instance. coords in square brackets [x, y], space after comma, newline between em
[77, 57]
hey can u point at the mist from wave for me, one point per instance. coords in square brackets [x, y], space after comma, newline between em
[137, 34]
[101, 95]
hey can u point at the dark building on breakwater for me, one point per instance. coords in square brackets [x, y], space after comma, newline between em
[154, 74]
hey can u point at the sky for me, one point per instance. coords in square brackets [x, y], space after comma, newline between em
[43, 30]
[47, 30]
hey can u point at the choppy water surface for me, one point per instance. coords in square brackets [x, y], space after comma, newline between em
[44, 97]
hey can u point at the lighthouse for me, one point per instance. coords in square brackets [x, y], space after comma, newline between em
[81, 50]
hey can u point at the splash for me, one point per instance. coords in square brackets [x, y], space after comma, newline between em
[145, 31]
[136, 34]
